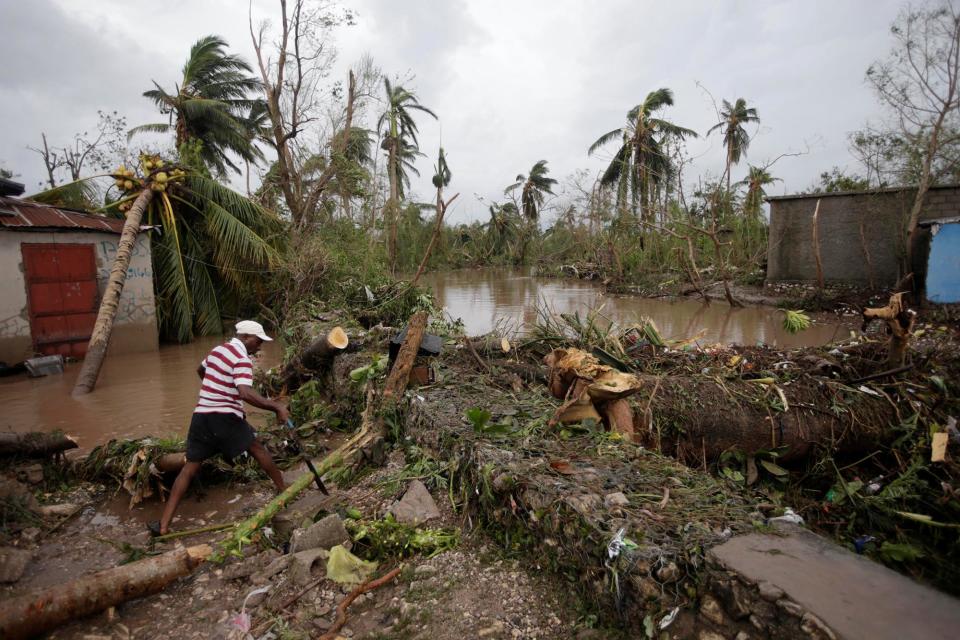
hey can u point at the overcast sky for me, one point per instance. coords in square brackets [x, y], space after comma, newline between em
[512, 81]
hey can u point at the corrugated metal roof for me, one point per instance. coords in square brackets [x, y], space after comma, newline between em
[23, 215]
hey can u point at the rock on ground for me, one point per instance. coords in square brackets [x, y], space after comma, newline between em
[324, 534]
[13, 562]
[416, 505]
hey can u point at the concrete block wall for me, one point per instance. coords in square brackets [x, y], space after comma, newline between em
[862, 239]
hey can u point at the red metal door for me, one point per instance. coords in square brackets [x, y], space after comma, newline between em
[62, 296]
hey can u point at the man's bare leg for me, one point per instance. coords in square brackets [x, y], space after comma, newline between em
[180, 486]
[262, 456]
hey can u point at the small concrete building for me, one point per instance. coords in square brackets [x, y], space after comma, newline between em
[861, 235]
[56, 264]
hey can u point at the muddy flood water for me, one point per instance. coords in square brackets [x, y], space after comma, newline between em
[482, 298]
[138, 394]
[153, 394]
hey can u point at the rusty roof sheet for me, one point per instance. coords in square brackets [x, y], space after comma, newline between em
[23, 215]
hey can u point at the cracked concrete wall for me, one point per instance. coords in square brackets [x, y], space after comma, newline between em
[136, 324]
[861, 235]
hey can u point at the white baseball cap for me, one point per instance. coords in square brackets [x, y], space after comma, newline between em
[251, 328]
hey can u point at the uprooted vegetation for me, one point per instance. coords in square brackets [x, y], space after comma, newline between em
[721, 439]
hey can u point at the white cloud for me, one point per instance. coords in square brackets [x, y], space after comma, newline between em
[513, 82]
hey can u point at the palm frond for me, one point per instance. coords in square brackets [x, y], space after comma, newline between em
[174, 307]
[81, 194]
[604, 140]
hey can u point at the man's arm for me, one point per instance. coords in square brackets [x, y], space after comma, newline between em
[248, 395]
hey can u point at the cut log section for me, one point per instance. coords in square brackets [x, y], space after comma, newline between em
[322, 350]
[490, 345]
[316, 357]
[30, 615]
[36, 444]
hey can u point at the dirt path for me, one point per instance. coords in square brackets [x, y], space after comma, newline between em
[472, 591]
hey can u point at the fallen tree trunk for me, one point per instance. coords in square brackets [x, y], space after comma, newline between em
[35, 445]
[30, 615]
[698, 418]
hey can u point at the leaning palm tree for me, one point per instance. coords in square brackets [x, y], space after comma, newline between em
[212, 103]
[735, 137]
[641, 162]
[757, 178]
[534, 187]
[399, 131]
[210, 239]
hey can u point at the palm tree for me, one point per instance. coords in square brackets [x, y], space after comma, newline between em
[735, 138]
[399, 131]
[502, 229]
[534, 186]
[757, 178]
[212, 103]
[640, 162]
[211, 242]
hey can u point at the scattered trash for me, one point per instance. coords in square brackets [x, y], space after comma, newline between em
[874, 486]
[241, 621]
[669, 618]
[44, 366]
[861, 543]
[938, 447]
[952, 430]
[345, 568]
[789, 516]
[616, 544]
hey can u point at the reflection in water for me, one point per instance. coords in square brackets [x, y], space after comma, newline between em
[138, 394]
[484, 297]
[154, 393]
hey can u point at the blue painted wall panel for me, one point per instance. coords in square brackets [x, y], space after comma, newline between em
[943, 269]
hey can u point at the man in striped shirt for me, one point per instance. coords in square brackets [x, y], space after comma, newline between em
[219, 422]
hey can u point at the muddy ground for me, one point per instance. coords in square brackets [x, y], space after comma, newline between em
[474, 590]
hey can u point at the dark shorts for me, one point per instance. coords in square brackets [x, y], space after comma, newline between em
[213, 433]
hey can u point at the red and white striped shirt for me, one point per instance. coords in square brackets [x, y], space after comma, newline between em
[225, 368]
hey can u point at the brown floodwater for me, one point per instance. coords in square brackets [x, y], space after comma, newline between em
[138, 394]
[153, 393]
[508, 297]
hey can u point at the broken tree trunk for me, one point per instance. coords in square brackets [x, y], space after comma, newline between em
[399, 375]
[35, 445]
[30, 615]
[316, 357]
[899, 321]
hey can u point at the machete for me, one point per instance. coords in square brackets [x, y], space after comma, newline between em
[298, 449]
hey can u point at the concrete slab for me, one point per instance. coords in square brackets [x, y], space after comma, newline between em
[856, 597]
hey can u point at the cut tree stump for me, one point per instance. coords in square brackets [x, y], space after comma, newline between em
[30, 615]
[35, 445]
[316, 357]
